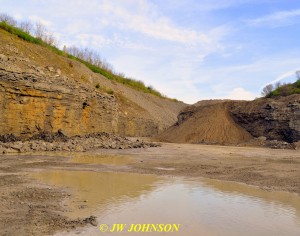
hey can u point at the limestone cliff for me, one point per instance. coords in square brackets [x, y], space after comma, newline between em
[42, 91]
[31, 103]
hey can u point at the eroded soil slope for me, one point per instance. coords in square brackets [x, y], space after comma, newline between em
[206, 123]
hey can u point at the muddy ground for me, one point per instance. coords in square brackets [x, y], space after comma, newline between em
[31, 208]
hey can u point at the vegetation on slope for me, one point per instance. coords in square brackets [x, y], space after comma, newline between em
[279, 89]
[94, 63]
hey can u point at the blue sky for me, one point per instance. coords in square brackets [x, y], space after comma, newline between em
[187, 49]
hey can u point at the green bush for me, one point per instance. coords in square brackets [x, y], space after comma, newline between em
[297, 83]
[285, 90]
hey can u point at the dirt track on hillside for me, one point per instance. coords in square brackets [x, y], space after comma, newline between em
[32, 208]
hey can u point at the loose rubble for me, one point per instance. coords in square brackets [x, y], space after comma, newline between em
[45, 141]
[274, 144]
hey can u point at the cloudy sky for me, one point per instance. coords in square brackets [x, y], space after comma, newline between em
[187, 49]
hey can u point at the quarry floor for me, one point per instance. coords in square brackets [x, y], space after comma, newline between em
[30, 207]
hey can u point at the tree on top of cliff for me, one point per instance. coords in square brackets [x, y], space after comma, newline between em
[279, 89]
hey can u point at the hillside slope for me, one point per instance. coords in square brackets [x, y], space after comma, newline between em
[42, 91]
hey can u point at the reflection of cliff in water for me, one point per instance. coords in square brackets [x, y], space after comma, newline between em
[97, 191]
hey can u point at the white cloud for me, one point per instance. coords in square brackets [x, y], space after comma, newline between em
[93, 40]
[17, 16]
[206, 5]
[240, 94]
[35, 18]
[145, 18]
[276, 19]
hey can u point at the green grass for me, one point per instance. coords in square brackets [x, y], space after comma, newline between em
[135, 84]
[286, 90]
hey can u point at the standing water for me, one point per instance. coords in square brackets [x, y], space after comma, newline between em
[192, 206]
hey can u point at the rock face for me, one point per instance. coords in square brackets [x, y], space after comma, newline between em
[31, 103]
[276, 119]
[42, 91]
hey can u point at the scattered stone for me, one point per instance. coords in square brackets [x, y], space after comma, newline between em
[92, 220]
[262, 138]
[296, 145]
[8, 138]
[3, 58]
[278, 144]
[45, 141]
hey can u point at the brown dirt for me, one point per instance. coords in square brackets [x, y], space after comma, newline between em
[31, 208]
[208, 122]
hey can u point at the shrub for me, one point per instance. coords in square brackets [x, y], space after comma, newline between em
[281, 89]
[267, 90]
[297, 83]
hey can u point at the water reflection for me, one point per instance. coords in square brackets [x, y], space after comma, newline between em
[96, 191]
[203, 207]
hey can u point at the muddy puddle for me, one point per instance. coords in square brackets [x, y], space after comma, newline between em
[196, 206]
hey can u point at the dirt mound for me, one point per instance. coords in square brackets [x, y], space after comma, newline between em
[209, 123]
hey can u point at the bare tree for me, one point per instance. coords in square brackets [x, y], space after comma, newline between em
[49, 39]
[39, 30]
[65, 49]
[90, 56]
[298, 74]
[7, 19]
[278, 85]
[26, 26]
[267, 90]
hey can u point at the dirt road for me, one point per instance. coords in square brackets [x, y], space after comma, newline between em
[32, 208]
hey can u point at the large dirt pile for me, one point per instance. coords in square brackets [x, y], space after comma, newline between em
[206, 122]
[42, 91]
